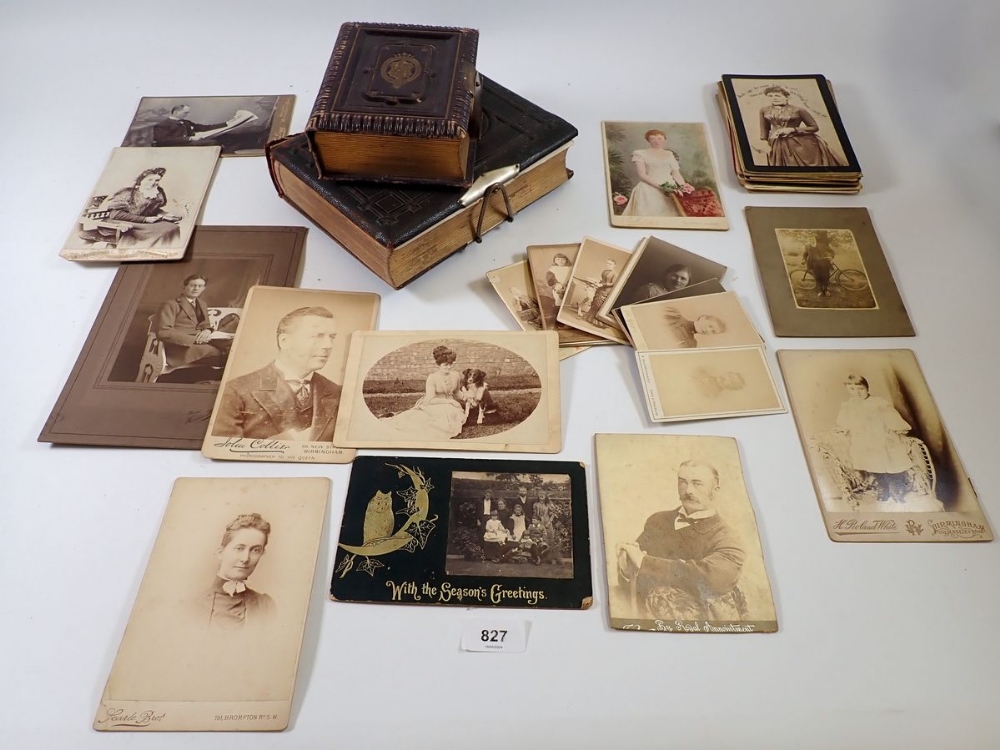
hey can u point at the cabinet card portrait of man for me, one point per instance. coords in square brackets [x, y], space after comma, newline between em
[714, 321]
[681, 544]
[239, 125]
[692, 384]
[213, 640]
[144, 206]
[883, 466]
[281, 389]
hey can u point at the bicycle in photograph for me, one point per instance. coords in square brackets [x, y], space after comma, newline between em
[849, 279]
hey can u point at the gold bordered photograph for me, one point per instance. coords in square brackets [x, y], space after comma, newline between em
[452, 390]
[661, 175]
[692, 384]
[465, 532]
[824, 273]
[214, 637]
[713, 321]
[148, 373]
[594, 274]
[239, 125]
[681, 545]
[883, 465]
[144, 205]
[281, 390]
[657, 269]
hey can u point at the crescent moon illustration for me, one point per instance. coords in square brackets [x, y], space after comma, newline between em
[382, 546]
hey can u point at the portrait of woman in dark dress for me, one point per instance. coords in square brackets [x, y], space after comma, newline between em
[791, 134]
[140, 209]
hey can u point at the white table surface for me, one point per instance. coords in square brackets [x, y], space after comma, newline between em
[879, 645]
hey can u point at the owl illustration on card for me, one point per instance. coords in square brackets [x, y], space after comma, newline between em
[379, 518]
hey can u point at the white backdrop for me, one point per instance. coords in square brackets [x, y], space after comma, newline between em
[879, 645]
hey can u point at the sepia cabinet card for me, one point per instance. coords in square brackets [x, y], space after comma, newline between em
[693, 384]
[594, 274]
[516, 289]
[215, 633]
[824, 273]
[883, 466]
[452, 390]
[281, 391]
[657, 269]
[149, 371]
[714, 321]
[550, 267]
[144, 206]
[681, 545]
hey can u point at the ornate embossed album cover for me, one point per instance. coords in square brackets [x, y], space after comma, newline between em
[464, 532]
[147, 375]
[214, 637]
[398, 103]
[239, 125]
[661, 174]
[883, 465]
[824, 273]
[281, 391]
[452, 390]
[144, 206]
[681, 545]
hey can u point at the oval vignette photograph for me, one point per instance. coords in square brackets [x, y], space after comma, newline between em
[444, 389]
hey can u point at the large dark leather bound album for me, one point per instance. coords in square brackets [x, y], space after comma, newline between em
[398, 104]
[399, 231]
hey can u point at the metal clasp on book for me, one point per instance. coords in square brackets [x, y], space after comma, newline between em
[484, 187]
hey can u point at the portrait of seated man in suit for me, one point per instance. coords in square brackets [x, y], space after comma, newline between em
[286, 399]
[230, 603]
[183, 326]
[177, 130]
[686, 563]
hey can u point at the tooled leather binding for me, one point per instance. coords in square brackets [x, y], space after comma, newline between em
[398, 79]
[513, 131]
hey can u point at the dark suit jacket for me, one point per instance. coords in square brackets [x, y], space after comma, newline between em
[171, 132]
[176, 324]
[260, 404]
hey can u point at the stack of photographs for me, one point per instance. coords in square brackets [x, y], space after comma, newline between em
[700, 358]
[786, 134]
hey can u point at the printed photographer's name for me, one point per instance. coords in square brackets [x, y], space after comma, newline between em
[242, 445]
[957, 529]
[495, 594]
[136, 719]
[853, 524]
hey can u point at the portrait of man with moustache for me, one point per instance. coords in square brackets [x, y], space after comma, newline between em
[686, 563]
[286, 399]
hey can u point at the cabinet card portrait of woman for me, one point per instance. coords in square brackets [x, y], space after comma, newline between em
[144, 206]
[788, 124]
[452, 390]
[661, 175]
[883, 466]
